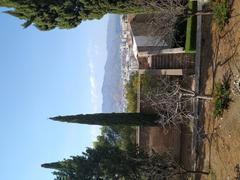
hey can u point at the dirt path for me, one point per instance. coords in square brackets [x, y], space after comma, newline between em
[220, 148]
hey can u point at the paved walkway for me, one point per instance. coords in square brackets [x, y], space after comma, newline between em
[197, 82]
[197, 79]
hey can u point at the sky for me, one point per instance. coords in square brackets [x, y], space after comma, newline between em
[45, 74]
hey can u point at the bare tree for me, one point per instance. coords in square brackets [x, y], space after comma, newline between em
[173, 8]
[163, 23]
[170, 101]
[157, 166]
[167, 15]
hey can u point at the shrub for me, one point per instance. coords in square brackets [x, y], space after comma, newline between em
[131, 93]
[222, 97]
[221, 13]
[147, 81]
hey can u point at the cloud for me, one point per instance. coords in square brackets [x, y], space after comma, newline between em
[92, 52]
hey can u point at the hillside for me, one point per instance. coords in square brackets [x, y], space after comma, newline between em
[112, 85]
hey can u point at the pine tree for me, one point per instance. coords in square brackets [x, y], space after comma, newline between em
[112, 163]
[100, 163]
[108, 119]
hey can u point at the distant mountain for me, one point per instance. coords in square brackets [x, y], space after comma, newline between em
[112, 84]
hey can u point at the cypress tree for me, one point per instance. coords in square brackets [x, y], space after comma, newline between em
[109, 119]
[66, 14]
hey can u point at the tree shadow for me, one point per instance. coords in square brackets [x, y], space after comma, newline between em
[212, 59]
[228, 39]
[208, 133]
[206, 63]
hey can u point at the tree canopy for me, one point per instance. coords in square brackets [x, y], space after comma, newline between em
[65, 14]
[120, 136]
[147, 82]
[100, 163]
[112, 163]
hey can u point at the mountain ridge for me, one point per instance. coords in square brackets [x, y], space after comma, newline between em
[112, 84]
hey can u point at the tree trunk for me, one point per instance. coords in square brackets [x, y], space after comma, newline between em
[203, 97]
[203, 13]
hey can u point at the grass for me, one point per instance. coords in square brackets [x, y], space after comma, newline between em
[131, 93]
[222, 97]
[190, 43]
[221, 14]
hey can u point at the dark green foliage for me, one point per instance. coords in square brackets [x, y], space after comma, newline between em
[221, 12]
[100, 163]
[120, 136]
[65, 14]
[131, 93]
[147, 81]
[109, 119]
[222, 97]
[112, 163]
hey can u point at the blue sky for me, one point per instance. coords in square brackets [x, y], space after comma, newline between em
[44, 74]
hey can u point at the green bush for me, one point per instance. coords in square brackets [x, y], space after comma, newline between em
[221, 13]
[222, 98]
[147, 80]
[131, 93]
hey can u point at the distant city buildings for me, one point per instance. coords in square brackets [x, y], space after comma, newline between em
[129, 63]
[145, 48]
